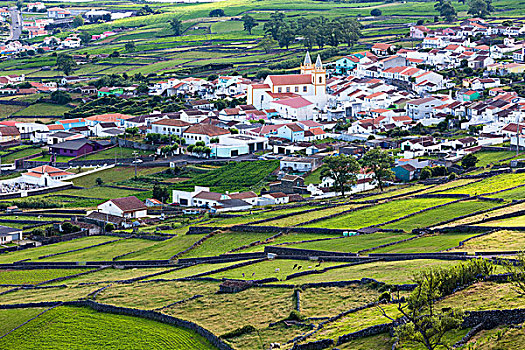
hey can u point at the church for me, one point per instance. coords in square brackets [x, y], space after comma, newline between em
[306, 91]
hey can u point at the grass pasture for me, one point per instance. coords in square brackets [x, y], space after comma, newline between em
[82, 328]
[35, 276]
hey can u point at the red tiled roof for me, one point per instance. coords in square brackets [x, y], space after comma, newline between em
[291, 79]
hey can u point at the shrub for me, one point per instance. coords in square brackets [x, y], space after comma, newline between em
[238, 332]
[385, 296]
[295, 316]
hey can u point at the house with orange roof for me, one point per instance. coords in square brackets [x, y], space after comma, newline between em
[107, 118]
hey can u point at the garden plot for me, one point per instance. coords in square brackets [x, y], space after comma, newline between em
[380, 213]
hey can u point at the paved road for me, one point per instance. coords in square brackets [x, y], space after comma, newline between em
[16, 24]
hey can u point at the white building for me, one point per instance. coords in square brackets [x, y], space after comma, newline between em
[126, 207]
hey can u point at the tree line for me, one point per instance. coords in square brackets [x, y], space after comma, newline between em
[319, 31]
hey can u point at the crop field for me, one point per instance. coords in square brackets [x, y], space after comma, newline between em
[492, 184]
[435, 216]
[279, 268]
[105, 252]
[34, 276]
[395, 272]
[114, 175]
[497, 241]
[353, 244]
[80, 328]
[378, 213]
[223, 242]
[160, 293]
[427, 244]
[10, 319]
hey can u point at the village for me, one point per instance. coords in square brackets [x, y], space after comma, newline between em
[298, 203]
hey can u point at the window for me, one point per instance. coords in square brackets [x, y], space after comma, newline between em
[279, 90]
[305, 88]
[297, 88]
[320, 80]
[288, 89]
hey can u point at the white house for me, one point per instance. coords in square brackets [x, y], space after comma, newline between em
[200, 197]
[203, 132]
[277, 197]
[169, 127]
[297, 164]
[9, 234]
[126, 207]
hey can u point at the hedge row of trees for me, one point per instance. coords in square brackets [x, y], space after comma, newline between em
[318, 31]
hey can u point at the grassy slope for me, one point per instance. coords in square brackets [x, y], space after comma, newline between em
[82, 328]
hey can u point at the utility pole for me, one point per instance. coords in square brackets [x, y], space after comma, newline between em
[517, 135]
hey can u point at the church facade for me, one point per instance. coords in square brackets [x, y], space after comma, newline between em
[310, 84]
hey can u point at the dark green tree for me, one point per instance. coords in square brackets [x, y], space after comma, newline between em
[376, 12]
[130, 46]
[480, 8]
[380, 163]
[342, 169]
[217, 13]
[249, 23]
[60, 97]
[176, 26]
[469, 161]
[160, 193]
[77, 21]
[65, 63]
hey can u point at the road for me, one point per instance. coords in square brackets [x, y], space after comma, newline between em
[16, 24]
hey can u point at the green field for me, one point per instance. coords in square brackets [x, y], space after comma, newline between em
[43, 109]
[82, 328]
[379, 213]
[35, 276]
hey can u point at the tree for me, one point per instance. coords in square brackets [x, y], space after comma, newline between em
[376, 12]
[109, 227]
[99, 181]
[266, 44]
[77, 21]
[65, 63]
[132, 131]
[130, 46]
[60, 97]
[249, 23]
[379, 162]
[85, 37]
[469, 161]
[161, 193]
[176, 26]
[285, 35]
[217, 13]
[350, 31]
[447, 11]
[342, 169]
[517, 273]
[271, 27]
[425, 173]
[481, 8]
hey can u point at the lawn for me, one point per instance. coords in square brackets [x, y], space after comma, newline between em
[43, 109]
[223, 242]
[47, 158]
[119, 152]
[115, 174]
[82, 328]
[20, 154]
[353, 244]
[35, 276]
[435, 216]
[105, 252]
[8, 110]
[379, 213]
[487, 157]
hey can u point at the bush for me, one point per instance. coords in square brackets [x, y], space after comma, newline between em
[452, 176]
[238, 332]
[295, 316]
[109, 227]
[376, 12]
[425, 173]
[385, 296]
